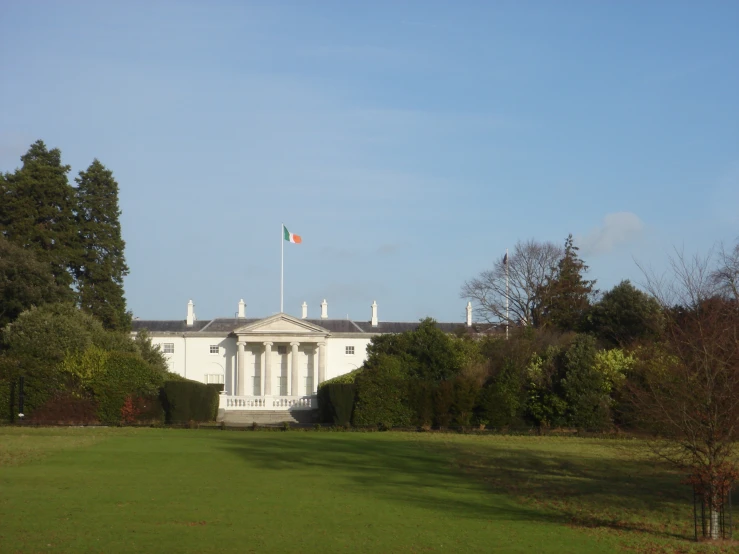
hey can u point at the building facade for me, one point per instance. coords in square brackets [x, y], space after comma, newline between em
[270, 363]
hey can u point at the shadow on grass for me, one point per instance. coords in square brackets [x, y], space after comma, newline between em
[563, 487]
[601, 490]
[397, 470]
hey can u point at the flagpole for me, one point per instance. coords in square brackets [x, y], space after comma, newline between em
[282, 263]
[507, 319]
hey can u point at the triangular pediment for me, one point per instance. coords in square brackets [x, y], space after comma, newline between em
[281, 324]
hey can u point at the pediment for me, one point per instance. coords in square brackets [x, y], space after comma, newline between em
[281, 324]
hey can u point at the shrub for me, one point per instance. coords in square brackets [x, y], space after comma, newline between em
[466, 391]
[585, 387]
[66, 408]
[336, 402]
[126, 374]
[502, 400]
[186, 400]
[443, 401]
[421, 400]
[382, 395]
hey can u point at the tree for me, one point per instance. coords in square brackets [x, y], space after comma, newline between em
[24, 282]
[530, 265]
[425, 353]
[725, 277]
[565, 297]
[623, 315]
[100, 269]
[687, 389]
[584, 387]
[36, 211]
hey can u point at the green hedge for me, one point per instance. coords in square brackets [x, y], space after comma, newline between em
[336, 403]
[126, 375]
[382, 397]
[186, 401]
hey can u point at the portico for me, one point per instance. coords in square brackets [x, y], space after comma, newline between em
[280, 362]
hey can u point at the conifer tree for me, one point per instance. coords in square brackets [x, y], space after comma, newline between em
[36, 212]
[102, 266]
[565, 298]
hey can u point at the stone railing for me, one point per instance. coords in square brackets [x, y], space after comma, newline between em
[268, 402]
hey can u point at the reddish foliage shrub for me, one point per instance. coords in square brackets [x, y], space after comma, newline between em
[142, 410]
[65, 408]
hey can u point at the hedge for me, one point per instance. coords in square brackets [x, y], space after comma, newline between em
[126, 375]
[186, 401]
[336, 403]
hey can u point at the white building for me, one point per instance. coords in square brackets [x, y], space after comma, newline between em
[275, 363]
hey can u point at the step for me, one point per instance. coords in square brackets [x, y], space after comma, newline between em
[239, 418]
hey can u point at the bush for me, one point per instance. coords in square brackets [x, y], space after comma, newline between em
[502, 400]
[466, 391]
[142, 410]
[126, 375]
[186, 400]
[336, 403]
[421, 399]
[443, 401]
[66, 408]
[382, 395]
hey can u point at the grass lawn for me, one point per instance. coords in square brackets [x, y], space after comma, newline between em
[164, 490]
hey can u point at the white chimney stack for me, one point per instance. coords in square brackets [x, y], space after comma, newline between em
[469, 314]
[324, 309]
[242, 309]
[190, 313]
[374, 313]
[305, 310]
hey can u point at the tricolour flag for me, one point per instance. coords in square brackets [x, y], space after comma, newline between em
[291, 237]
[505, 259]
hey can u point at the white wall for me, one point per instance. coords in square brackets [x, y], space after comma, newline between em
[192, 359]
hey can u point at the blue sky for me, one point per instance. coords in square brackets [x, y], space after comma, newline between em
[409, 143]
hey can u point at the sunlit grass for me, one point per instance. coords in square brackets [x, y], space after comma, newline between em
[122, 490]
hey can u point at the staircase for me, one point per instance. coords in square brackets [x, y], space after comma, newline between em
[245, 418]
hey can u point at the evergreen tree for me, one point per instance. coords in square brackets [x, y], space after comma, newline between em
[36, 211]
[102, 266]
[565, 298]
[24, 282]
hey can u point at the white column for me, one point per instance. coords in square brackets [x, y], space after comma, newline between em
[321, 363]
[267, 369]
[294, 371]
[240, 373]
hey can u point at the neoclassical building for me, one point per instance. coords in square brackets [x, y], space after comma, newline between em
[273, 363]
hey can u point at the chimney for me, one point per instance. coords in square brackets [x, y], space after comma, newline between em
[374, 313]
[242, 309]
[305, 310]
[190, 313]
[324, 309]
[469, 314]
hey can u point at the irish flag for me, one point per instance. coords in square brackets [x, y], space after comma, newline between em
[291, 237]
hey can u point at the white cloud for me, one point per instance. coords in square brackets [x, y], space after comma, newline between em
[617, 228]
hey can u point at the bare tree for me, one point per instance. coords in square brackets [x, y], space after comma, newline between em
[688, 390]
[530, 265]
[726, 276]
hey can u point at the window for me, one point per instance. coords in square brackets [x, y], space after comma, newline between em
[168, 348]
[216, 378]
[282, 349]
[350, 351]
[214, 349]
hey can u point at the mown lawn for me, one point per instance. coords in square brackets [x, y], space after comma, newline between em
[164, 490]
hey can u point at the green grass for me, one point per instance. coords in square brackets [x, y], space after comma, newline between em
[148, 490]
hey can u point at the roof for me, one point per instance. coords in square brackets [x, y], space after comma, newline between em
[228, 325]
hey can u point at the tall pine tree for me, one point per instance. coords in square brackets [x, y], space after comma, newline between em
[102, 266]
[565, 298]
[36, 212]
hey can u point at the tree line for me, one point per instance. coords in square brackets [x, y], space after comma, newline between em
[59, 242]
[662, 361]
[66, 352]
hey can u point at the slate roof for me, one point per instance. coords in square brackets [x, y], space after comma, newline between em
[228, 325]
[167, 325]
